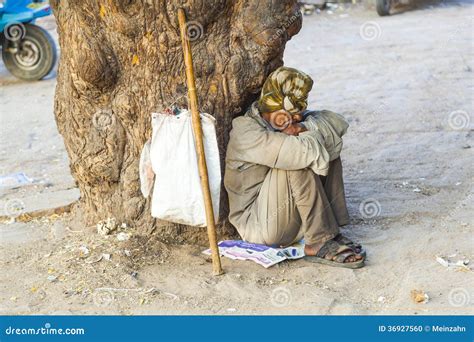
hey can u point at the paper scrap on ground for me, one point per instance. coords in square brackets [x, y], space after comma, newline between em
[446, 262]
[15, 180]
[261, 254]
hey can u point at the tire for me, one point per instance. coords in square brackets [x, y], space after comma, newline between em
[383, 7]
[36, 54]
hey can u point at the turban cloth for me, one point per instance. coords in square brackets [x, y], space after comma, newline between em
[285, 88]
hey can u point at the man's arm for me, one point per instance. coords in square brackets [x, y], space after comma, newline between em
[302, 151]
[332, 127]
[295, 129]
[253, 144]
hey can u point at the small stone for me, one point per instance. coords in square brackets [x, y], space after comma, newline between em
[52, 278]
[123, 236]
[83, 251]
[107, 226]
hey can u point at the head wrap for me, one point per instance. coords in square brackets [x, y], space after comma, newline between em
[285, 88]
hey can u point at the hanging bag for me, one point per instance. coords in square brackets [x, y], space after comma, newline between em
[177, 194]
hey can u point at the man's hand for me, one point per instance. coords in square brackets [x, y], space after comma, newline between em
[297, 117]
[294, 129]
[284, 122]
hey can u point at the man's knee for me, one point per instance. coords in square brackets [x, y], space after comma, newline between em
[283, 235]
[302, 181]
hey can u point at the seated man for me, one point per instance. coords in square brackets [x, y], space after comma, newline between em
[284, 175]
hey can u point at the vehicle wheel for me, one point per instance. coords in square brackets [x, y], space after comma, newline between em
[34, 56]
[383, 7]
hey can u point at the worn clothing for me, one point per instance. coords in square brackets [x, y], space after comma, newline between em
[292, 205]
[331, 125]
[274, 180]
[285, 88]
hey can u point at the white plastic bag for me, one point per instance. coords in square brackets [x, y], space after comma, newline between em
[146, 170]
[177, 193]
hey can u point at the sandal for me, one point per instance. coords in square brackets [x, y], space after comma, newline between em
[333, 253]
[356, 247]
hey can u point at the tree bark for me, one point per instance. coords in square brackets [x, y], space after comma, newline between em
[122, 60]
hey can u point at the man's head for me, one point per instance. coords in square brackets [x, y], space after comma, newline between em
[284, 96]
[285, 88]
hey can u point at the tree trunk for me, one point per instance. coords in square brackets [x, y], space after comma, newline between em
[122, 60]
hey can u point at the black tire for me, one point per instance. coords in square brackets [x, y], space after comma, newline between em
[35, 56]
[383, 7]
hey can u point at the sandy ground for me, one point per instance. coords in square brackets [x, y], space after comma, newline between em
[405, 82]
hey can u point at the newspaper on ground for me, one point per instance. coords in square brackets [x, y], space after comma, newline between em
[263, 255]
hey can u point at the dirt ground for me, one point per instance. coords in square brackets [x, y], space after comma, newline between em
[404, 82]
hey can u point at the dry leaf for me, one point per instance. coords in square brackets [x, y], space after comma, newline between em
[102, 11]
[135, 60]
[419, 296]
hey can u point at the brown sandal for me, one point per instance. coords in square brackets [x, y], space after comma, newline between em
[356, 247]
[333, 253]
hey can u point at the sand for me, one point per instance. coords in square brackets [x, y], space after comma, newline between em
[404, 82]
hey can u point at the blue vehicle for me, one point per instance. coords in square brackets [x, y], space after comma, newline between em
[28, 51]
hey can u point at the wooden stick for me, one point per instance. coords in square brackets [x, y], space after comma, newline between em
[198, 139]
